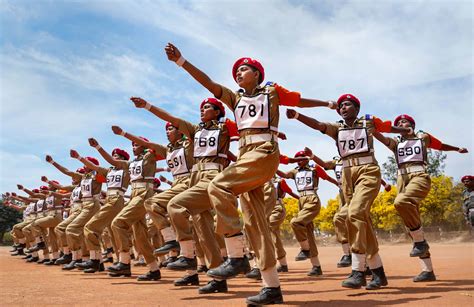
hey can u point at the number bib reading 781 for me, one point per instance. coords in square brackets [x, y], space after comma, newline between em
[252, 112]
[177, 162]
[410, 151]
[304, 181]
[206, 143]
[352, 141]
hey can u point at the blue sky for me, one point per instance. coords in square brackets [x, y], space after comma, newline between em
[68, 68]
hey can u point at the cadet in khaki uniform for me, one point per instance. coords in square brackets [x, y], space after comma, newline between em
[91, 184]
[360, 183]
[75, 205]
[211, 141]
[17, 229]
[413, 184]
[468, 199]
[132, 217]
[117, 184]
[256, 110]
[307, 180]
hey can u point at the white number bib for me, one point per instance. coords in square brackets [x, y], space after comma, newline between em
[206, 143]
[177, 162]
[50, 202]
[410, 151]
[39, 205]
[115, 178]
[304, 181]
[338, 173]
[136, 170]
[86, 187]
[352, 141]
[253, 112]
[76, 194]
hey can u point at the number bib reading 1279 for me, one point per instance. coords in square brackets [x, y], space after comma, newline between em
[352, 141]
[206, 143]
[177, 162]
[410, 151]
[252, 112]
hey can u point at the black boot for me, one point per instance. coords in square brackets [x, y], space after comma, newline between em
[119, 269]
[266, 296]
[95, 266]
[345, 261]
[155, 275]
[368, 272]
[420, 249]
[202, 268]
[18, 252]
[187, 280]
[355, 281]
[71, 265]
[33, 259]
[378, 279]
[42, 261]
[425, 276]
[108, 260]
[254, 274]
[27, 257]
[37, 247]
[165, 249]
[14, 248]
[214, 286]
[65, 259]
[183, 264]
[282, 269]
[50, 262]
[85, 264]
[302, 255]
[315, 271]
[231, 268]
[168, 260]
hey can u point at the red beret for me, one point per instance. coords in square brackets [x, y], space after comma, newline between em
[44, 188]
[168, 124]
[157, 182]
[81, 170]
[121, 152]
[349, 97]
[214, 102]
[251, 62]
[36, 190]
[93, 160]
[404, 116]
[467, 177]
[300, 153]
[56, 182]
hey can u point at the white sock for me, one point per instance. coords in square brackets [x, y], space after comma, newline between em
[315, 261]
[168, 234]
[94, 255]
[374, 262]
[304, 245]
[46, 255]
[202, 261]
[224, 252]
[270, 277]
[346, 249]
[85, 258]
[283, 261]
[124, 257]
[37, 240]
[74, 255]
[358, 262]
[191, 272]
[188, 248]
[22, 241]
[35, 254]
[173, 253]
[153, 266]
[235, 246]
[418, 235]
[66, 250]
[79, 254]
[426, 264]
[55, 255]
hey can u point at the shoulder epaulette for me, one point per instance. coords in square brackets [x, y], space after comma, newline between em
[270, 83]
[368, 116]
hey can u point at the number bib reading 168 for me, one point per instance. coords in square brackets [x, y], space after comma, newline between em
[352, 141]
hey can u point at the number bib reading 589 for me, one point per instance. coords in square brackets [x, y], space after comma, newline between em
[410, 151]
[177, 162]
[206, 143]
[352, 141]
[252, 112]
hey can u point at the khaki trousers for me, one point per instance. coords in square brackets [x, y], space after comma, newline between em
[47, 224]
[156, 206]
[412, 189]
[246, 177]
[94, 228]
[340, 221]
[277, 217]
[17, 229]
[75, 229]
[132, 217]
[302, 223]
[28, 233]
[360, 185]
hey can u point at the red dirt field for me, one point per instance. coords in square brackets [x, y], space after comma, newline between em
[32, 284]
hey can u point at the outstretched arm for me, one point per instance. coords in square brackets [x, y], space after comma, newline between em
[117, 130]
[311, 103]
[61, 195]
[286, 175]
[162, 169]
[165, 180]
[174, 55]
[446, 147]
[54, 184]
[159, 112]
[107, 157]
[61, 168]
[308, 121]
[231, 156]
[29, 192]
[381, 138]
[316, 159]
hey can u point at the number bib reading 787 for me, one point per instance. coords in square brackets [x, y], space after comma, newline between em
[352, 141]
[253, 112]
[410, 151]
[177, 162]
[304, 181]
[206, 143]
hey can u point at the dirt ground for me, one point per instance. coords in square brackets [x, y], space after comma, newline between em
[32, 284]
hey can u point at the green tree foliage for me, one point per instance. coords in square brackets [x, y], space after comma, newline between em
[8, 218]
